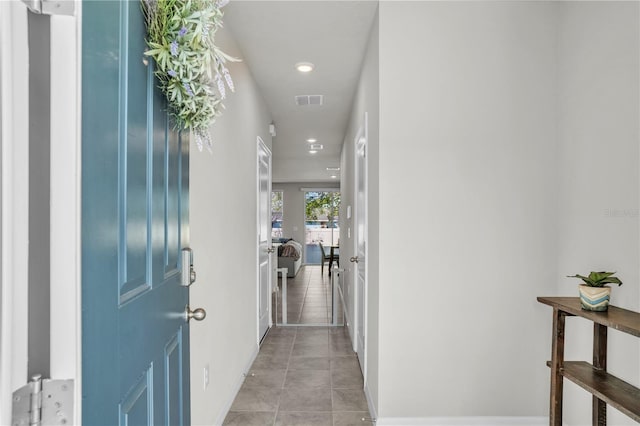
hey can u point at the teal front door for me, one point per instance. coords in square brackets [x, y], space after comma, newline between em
[135, 168]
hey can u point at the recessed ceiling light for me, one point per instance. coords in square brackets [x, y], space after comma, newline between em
[313, 151]
[334, 177]
[333, 169]
[317, 146]
[312, 140]
[304, 67]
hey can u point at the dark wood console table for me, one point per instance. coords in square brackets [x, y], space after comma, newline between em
[605, 388]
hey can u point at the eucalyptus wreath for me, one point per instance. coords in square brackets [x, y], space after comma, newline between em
[189, 66]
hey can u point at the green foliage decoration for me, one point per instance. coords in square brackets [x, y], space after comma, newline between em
[190, 68]
[598, 279]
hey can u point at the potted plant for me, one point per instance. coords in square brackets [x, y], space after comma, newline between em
[594, 294]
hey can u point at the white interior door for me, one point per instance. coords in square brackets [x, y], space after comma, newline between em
[264, 238]
[360, 240]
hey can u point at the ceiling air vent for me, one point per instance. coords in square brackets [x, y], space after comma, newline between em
[306, 100]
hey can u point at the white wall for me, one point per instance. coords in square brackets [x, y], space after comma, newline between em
[467, 207]
[518, 123]
[223, 206]
[366, 100]
[598, 94]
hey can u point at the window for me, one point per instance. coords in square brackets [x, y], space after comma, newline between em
[321, 223]
[277, 213]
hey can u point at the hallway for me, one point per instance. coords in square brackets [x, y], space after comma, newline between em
[302, 376]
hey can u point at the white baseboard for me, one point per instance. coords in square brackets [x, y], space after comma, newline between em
[234, 391]
[372, 407]
[462, 421]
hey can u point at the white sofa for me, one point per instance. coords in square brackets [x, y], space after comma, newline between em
[290, 257]
[292, 265]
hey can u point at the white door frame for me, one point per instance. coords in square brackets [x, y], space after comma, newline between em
[66, 205]
[65, 201]
[14, 74]
[261, 146]
[361, 139]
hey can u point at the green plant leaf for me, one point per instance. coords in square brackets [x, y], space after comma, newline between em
[598, 279]
[611, 280]
[597, 276]
[194, 62]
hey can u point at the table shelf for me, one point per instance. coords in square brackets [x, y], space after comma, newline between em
[607, 387]
[616, 318]
[594, 378]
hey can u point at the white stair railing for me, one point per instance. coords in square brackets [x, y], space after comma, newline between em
[336, 294]
[283, 272]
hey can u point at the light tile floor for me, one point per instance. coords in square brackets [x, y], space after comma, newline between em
[308, 297]
[303, 376]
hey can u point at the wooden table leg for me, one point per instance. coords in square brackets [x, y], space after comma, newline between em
[599, 407]
[557, 361]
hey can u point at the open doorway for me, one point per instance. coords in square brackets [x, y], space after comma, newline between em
[320, 224]
[307, 297]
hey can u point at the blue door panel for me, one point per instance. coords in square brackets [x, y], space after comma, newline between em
[173, 379]
[136, 408]
[134, 152]
[173, 192]
[100, 209]
[134, 223]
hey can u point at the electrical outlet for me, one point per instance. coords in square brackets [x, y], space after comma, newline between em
[206, 376]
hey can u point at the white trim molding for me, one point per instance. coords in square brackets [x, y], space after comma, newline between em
[463, 421]
[14, 82]
[320, 188]
[370, 404]
[66, 205]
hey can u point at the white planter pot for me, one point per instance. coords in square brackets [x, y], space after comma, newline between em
[594, 298]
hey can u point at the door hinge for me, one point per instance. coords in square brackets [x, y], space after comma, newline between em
[51, 7]
[43, 402]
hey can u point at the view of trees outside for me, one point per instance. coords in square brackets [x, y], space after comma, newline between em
[277, 212]
[321, 222]
[322, 207]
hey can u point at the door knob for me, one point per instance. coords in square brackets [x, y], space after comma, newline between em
[270, 250]
[197, 314]
[354, 259]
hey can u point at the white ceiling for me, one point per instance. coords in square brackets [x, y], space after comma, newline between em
[275, 35]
